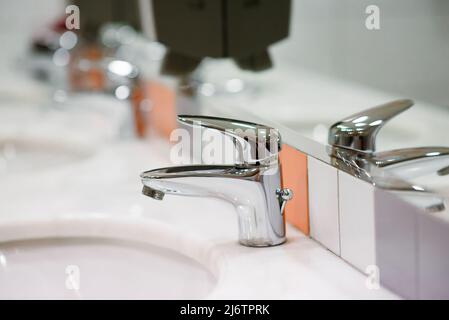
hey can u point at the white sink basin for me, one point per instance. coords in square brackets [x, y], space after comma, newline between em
[80, 268]
[92, 257]
[27, 155]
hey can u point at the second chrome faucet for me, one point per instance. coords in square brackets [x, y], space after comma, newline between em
[353, 149]
[252, 185]
[353, 141]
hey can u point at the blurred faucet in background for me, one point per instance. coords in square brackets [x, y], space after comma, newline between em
[97, 57]
[194, 35]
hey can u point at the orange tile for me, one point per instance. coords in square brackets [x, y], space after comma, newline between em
[163, 112]
[294, 176]
[91, 80]
[140, 122]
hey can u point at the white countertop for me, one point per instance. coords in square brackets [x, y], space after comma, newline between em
[101, 197]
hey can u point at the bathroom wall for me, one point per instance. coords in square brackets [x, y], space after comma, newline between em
[407, 56]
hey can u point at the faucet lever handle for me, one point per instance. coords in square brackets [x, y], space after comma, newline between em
[359, 130]
[255, 143]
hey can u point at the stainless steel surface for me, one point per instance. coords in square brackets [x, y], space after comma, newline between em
[252, 186]
[365, 166]
[126, 75]
[284, 195]
[119, 73]
[352, 150]
[153, 193]
[355, 162]
[359, 130]
[255, 143]
[443, 171]
[393, 157]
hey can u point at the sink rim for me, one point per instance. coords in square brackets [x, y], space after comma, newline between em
[128, 229]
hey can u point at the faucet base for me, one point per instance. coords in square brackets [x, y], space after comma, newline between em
[262, 243]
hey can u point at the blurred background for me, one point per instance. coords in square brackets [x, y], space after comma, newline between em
[303, 64]
[408, 55]
[89, 97]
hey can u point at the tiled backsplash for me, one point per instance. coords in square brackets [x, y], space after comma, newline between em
[294, 176]
[323, 204]
[370, 227]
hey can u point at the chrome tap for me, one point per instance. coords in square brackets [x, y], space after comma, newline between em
[353, 148]
[354, 138]
[359, 131]
[252, 185]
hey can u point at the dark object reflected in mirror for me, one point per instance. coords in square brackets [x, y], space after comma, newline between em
[239, 29]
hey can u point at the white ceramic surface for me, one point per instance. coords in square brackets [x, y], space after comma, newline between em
[100, 197]
[397, 243]
[81, 268]
[357, 226]
[323, 204]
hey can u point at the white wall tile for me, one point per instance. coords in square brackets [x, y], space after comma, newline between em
[323, 204]
[433, 255]
[357, 237]
[396, 243]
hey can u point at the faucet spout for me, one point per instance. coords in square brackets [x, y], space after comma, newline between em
[194, 180]
[352, 149]
[153, 193]
[393, 157]
[252, 185]
[253, 191]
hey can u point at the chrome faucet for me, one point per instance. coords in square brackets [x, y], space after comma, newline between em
[252, 185]
[359, 131]
[353, 148]
[354, 138]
